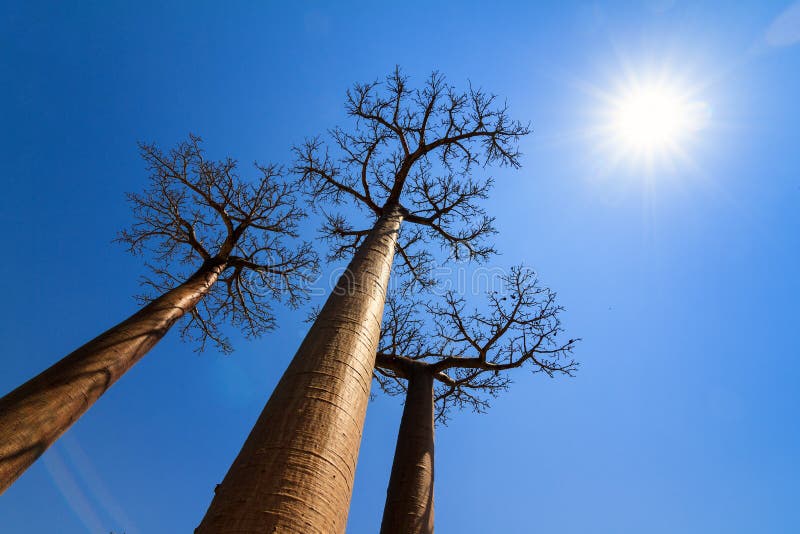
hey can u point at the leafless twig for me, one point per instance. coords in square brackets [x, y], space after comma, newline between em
[468, 352]
[418, 149]
[197, 210]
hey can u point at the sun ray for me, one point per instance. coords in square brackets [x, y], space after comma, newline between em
[648, 122]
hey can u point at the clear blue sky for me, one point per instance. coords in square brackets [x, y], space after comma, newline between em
[681, 278]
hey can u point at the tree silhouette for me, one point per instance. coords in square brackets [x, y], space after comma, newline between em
[406, 167]
[196, 214]
[439, 354]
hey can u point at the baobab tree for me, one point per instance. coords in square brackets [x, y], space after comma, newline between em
[405, 167]
[197, 214]
[441, 356]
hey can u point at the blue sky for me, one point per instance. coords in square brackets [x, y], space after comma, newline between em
[680, 277]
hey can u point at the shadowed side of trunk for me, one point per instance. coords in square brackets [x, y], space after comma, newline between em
[295, 472]
[35, 414]
[409, 499]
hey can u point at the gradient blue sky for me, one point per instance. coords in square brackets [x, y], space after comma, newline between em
[680, 278]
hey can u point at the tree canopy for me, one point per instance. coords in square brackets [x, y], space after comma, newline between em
[197, 210]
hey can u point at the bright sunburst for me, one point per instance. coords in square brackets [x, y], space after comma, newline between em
[651, 118]
[652, 121]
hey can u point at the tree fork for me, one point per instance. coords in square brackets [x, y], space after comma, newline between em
[409, 498]
[295, 471]
[38, 412]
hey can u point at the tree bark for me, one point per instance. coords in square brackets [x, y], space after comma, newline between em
[295, 471]
[409, 499]
[35, 414]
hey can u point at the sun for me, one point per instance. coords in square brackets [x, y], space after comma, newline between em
[647, 120]
[653, 121]
[650, 118]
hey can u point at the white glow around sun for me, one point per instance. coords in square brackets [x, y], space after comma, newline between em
[649, 118]
[653, 122]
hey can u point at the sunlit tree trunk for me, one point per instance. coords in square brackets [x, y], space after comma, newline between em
[409, 499]
[295, 471]
[35, 414]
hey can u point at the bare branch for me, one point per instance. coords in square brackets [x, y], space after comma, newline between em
[417, 148]
[468, 352]
[198, 210]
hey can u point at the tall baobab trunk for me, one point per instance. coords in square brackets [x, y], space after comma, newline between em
[409, 499]
[295, 472]
[35, 414]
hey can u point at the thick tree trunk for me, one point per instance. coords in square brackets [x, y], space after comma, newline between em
[295, 472]
[35, 414]
[409, 499]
